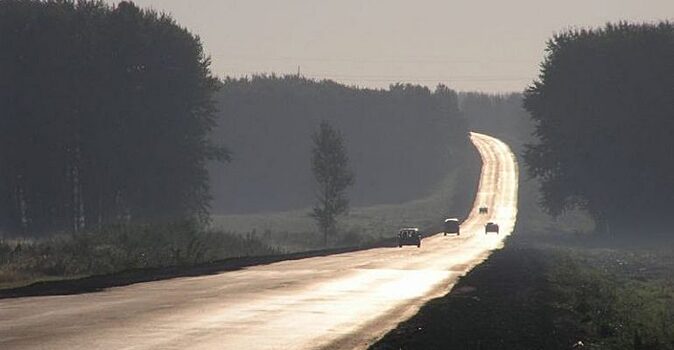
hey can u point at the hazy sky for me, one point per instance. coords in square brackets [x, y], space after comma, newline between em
[492, 46]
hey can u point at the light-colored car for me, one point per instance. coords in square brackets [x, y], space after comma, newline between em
[490, 227]
[409, 236]
[452, 226]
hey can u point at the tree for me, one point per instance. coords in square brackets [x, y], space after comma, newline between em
[330, 166]
[603, 107]
[106, 116]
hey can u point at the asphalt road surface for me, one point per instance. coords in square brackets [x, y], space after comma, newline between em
[342, 301]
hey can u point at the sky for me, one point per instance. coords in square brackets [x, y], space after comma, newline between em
[469, 45]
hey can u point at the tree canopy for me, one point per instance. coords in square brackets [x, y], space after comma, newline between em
[604, 107]
[104, 116]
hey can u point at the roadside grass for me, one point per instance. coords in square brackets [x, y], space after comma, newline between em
[295, 230]
[535, 294]
[621, 297]
[118, 248]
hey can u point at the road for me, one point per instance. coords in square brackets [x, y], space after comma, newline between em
[342, 301]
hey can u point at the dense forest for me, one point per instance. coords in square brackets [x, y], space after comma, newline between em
[106, 113]
[401, 141]
[604, 107]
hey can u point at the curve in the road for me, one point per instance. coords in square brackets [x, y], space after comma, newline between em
[339, 301]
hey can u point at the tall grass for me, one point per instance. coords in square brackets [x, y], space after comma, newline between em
[117, 248]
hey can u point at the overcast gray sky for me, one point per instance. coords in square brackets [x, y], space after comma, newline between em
[492, 46]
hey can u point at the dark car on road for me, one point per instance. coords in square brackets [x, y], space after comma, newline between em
[409, 236]
[452, 226]
[490, 227]
[483, 210]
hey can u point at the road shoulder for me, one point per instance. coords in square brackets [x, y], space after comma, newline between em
[501, 304]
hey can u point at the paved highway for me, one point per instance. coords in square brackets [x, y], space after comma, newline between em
[342, 301]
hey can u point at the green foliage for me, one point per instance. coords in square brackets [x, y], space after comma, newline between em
[603, 107]
[402, 141]
[616, 299]
[330, 166]
[105, 116]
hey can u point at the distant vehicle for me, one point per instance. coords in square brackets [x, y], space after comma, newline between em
[484, 210]
[490, 227]
[452, 226]
[409, 236]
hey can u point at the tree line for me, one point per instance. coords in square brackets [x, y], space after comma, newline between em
[110, 114]
[604, 108]
[105, 115]
[401, 141]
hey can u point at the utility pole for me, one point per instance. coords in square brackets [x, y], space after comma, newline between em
[299, 72]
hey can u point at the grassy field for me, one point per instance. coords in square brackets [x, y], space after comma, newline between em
[561, 292]
[295, 230]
